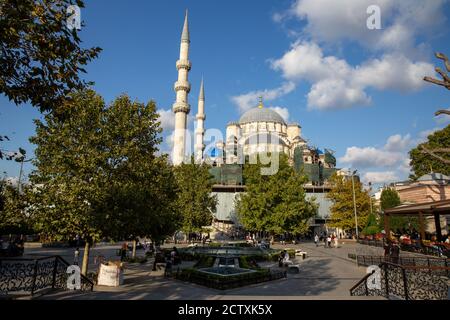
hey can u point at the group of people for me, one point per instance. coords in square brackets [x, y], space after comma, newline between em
[328, 239]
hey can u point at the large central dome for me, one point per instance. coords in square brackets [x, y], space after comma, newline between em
[261, 115]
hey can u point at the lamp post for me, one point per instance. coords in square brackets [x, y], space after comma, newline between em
[370, 197]
[22, 160]
[354, 204]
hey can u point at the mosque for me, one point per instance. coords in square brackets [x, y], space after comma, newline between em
[258, 130]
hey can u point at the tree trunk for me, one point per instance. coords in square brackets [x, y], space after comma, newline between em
[133, 255]
[84, 266]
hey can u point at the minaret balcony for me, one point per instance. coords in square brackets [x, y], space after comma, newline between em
[181, 107]
[184, 64]
[201, 117]
[182, 85]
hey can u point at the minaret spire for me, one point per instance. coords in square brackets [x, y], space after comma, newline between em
[200, 131]
[181, 106]
[185, 34]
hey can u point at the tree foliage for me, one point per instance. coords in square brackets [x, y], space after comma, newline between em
[390, 199]
[98, 173]
[275, 203]
[41, 58]
[372, 226]
[195, 202]
[14, 218]
[342, 209]
[422, 162]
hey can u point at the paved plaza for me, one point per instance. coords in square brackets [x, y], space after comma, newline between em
[327, 273]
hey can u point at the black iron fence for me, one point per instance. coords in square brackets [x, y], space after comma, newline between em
[434, 265]
[29, 276]
[405, 282]
[224, 283]
[415, 246]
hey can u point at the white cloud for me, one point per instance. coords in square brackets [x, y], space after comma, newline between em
[384, 164]
[167, 118]
[336, 84]
[380, 177]
[283, 112]
[398, 143]
[392, 71]
[390, 155]
[335, 94]
[405, 167]
[250, 100]
[332, 21]
[398, 60]
[370, 157]
[423, 135]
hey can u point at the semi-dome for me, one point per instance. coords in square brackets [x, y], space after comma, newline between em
[261, 115]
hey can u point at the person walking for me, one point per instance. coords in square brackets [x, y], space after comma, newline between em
[329, 241]
[76, 256]
[123, 252]
[395, 252]
[316, 240]
[336, 241]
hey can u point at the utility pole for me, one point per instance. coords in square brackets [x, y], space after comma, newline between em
[20, 173]
[354, 204]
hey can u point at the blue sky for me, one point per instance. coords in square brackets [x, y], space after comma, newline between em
[353, 90]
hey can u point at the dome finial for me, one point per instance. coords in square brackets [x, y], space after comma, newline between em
[260, 102]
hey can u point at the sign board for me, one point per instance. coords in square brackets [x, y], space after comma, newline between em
[110, 275]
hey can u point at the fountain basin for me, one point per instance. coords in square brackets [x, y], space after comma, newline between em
[225, 271]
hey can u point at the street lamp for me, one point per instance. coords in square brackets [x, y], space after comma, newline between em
[370, 197]
[22, 160]
[354, 204]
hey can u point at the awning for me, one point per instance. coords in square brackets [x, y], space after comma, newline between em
[429, 208]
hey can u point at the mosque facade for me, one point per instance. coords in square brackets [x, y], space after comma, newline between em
[259, 130]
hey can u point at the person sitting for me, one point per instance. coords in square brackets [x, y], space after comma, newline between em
[280, 259]
[286, 260]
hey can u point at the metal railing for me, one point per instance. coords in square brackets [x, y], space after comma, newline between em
[406, 282]
[432, 264]
[223, 283]
[414, 247]
[29, 276]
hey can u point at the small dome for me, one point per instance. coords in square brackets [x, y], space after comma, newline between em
[261, 115]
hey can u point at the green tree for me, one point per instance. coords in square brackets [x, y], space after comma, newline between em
[372, 226]
[195, 202]
[432, 155]
[97, 171]
[41, 57]
[14, 218]
[275, 203]
[342, 209]
[389, 199]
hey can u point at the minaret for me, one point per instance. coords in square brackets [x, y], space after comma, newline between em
[181, 106]
[200, 131]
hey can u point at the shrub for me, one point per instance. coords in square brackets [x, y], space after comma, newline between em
[205, 262]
